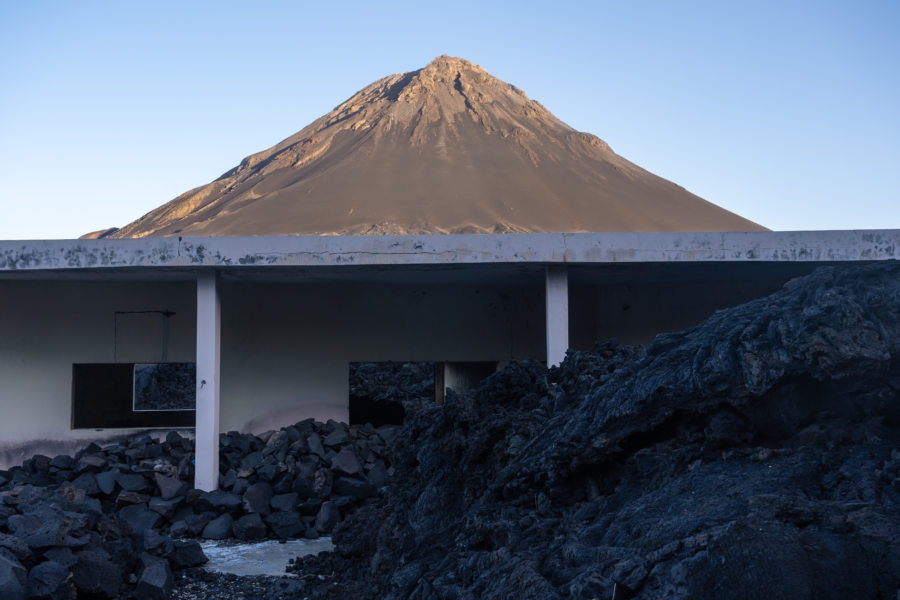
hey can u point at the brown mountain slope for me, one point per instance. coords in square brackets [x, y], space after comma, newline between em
[445, 149]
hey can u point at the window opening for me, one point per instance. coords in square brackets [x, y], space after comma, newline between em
[164, 386]
[140, 388]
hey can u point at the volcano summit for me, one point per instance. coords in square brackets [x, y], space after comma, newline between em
[445, 149]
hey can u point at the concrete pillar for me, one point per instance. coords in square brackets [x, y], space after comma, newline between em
[557, 314]
[206, 455]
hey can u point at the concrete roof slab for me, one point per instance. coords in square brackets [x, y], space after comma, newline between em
[235, 253]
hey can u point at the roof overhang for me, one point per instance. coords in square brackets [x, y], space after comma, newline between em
[445, 258]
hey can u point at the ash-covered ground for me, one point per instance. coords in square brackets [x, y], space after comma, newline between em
[756, 455]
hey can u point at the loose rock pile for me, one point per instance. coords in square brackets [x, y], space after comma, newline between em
[111, 521]
[756, 455]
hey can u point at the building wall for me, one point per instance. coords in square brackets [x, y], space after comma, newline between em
[289, 346]
[286, 347]
[636, 313]
[47, 326]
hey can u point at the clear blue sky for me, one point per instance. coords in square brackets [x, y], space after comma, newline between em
[787, 113]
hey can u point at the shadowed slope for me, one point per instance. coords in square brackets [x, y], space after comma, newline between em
[445, 149]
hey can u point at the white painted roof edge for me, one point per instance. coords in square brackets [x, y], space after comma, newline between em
[571, 248]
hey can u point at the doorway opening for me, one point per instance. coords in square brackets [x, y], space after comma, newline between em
[379, 389]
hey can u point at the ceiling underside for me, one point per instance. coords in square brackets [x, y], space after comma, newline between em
[487, 274]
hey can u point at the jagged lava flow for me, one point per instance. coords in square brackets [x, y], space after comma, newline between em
[444, 149]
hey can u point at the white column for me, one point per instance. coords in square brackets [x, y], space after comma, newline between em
[206, 454]
[557, 314]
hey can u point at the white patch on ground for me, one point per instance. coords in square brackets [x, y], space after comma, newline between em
[258, 558]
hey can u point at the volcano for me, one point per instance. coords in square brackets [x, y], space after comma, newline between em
[445, 149]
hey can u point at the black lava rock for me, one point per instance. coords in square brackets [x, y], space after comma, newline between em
[13, 578]
[96, 575]
[249, 527]
[185, 554]
[50, 580]
[219, 528]
[257, 498]
[752, 456]
[156, 580]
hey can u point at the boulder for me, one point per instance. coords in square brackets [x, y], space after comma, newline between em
[345, 462]
[303, 486]
[197, 522]
[88, 483]
[322, 483]
[286, 524]
[249, 527]
[106, 481]
[267, 472]
[54, 531]
[283, 482]
[228, 479]
[314, 442]
[156, 582]
[257, 498]
[126, 497]
[186, 554]
[132, 482]
[338, 437]
[165, 508]
[377, 475]
[15, 545]
[278, 442]
[169, 487]
[240, 486]
[285, 502]
[310, 507]
[22, 524]
[327, 517]
[50, 580]
[250, 463]
[139, 517]
[91, 463]
[179, 528]
[95, 575]
[64, 556]
[218, 500]
[219, 528]
[155, 540]
[61, 462]
[349, 486]
[13, 578]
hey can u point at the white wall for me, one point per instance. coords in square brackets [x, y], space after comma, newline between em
[286, 348]
[636, 313]
[47, 326]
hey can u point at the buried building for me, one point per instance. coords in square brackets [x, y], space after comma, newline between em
[100, 338]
